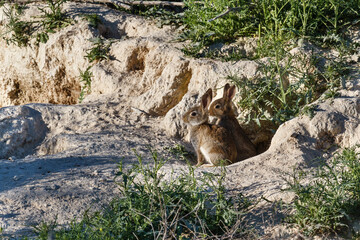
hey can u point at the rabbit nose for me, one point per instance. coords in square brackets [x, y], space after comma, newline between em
[212, 119]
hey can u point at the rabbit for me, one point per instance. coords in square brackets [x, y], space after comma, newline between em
[222, 110]
[213, 144]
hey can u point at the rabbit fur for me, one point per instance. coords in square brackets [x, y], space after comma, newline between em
[213, 143]
[222, 110]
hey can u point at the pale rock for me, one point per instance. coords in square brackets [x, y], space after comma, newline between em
[205, 74]
[137, 96]
[22, 129]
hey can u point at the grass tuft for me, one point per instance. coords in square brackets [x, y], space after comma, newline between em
[93, 19]
[99, 51]
[53, 18]
[331, 200]
[20, 31]
[286, 85]
[85, 79]
[274, 22]
[179, 152]
[150, 207]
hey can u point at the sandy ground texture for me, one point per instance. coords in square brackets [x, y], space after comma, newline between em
[74, 169]
[74, 166]
[57, 161]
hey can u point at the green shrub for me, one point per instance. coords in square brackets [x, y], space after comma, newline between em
[331, 200]
[99, 51]
[20, 30]
[85, 79]
[236, 23]
[179, 152]
[150, 207]
[53, 18]
[274, 97]
[275, 22]
[93, 19]
[280, 25]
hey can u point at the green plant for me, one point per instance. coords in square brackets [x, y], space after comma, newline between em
[162, 16]
[93, 19]
[180, 152]
[287, 84]
[330, 201]
[44, 230]
[275, 22]
[99, 52]
[272, 96]
[309, 110]
[42, 37]
[334, 74]
[204, 30]
[150, 207]
[53, 18]
[20, 30]
[282, 90]
[85, 79]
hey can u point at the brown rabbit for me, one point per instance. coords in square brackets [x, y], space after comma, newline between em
[212, 143]
[223, 111]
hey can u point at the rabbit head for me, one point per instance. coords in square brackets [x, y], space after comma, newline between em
[223, 106]
[212, 143]
[199, 114]
[223, 111]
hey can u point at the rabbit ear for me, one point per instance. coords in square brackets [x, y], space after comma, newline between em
[209, 92]
[226, 88]
[229, 92]
[206, 99]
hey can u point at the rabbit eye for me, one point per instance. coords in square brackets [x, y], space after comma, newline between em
[217, 106]
[193, 114]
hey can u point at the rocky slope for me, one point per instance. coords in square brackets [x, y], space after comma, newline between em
[59, 157]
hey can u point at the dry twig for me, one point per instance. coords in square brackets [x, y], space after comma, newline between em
[228, 10]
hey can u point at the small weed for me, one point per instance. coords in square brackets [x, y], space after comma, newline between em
[335, 76]
[151, 207]
[42, 37]
[272, 97]
[85, 79]
[275, 22]
[180, 152]
[45, 230]
[54, 17]
[20, 30]
[225, 29]
[309, 110]
[286, 85]
[330, 201]
[93, 19]
[193, 49]
[99, 52]
[19, 8]
[162, 16]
